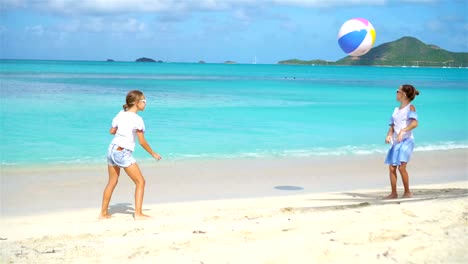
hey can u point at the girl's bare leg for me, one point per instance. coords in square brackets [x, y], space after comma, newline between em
[134, 173]
[114, 173]
[393, 182]
[405, 178]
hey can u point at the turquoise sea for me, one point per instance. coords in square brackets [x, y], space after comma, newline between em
[59, 112]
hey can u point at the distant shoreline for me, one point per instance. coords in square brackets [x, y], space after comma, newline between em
[238, 63]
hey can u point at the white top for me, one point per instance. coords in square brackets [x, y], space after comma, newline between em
[127, 123]
[400, 119]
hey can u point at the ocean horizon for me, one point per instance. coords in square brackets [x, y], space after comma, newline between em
[59, 112]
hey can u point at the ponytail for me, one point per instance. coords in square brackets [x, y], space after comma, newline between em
[132, 97]
[409, 91]
[127, 106]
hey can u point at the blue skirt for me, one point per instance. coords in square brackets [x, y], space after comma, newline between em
[400, 152]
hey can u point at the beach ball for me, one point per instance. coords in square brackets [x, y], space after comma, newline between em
[356, 36]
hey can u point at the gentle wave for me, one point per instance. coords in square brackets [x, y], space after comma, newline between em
[295, 153]
[304, 153]
[442, 146]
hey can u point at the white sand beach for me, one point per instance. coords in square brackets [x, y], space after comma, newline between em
[311, 210]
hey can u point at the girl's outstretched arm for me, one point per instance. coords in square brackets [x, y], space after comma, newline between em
[146, 146]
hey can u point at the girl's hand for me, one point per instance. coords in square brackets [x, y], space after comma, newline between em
[400, 136]
[156, 156]
[388, 140]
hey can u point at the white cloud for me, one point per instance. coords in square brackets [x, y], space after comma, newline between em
[94, 7]
[327, 3]
[101, 7]
[243, 16]
[72, 26]
[131, 25]
[94, 24]
[100, 24]
[37, 30]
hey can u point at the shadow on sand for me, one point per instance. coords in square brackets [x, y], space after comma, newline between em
[289, 188]
[121, 208]
[350, 200]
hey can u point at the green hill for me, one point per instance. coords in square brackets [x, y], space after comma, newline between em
[407, 51]
[311, 62]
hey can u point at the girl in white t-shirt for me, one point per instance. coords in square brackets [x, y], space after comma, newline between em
[126, 126]
[404, 119]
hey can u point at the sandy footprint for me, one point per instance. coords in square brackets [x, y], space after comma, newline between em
[133, 231]
[408, 213]
[141, 252]
[386, 235]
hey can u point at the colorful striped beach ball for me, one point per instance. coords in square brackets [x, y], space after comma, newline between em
[356, 36]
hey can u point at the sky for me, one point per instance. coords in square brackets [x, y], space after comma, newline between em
[215, 31]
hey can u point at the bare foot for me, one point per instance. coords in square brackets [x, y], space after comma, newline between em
[142, 217]
[391, 196]
[407, 195]
[104, 216]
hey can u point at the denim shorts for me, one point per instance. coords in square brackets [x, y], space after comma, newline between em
[122, 158]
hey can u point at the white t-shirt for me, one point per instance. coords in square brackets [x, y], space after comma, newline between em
[127, 123]
[400, 119]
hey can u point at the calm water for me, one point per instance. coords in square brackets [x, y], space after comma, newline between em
[61, 111]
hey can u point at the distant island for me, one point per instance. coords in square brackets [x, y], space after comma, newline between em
[229, 62]
[406, 51]
[144, 59]
[110, 60]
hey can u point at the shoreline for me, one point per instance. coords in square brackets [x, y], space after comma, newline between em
[13, 168]
[238, 63]
[143, 158]
[49, 189]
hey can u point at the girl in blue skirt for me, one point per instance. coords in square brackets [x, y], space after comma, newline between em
[400, 134]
